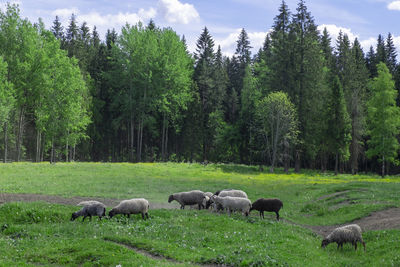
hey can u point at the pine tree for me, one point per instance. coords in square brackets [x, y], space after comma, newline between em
[281, 48]
[327, 49]
[71, 37]
[203, 73]
[308, 82]
[381, 55]
[371, 62]
[383, 118]
[339, 125]
[356, 95]
[58, 30]
[391, 54]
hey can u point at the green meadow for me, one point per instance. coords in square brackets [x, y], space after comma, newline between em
[41, 233]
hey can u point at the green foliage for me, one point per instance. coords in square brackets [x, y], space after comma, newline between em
[278, 124]
[338, 121]
[383, 118]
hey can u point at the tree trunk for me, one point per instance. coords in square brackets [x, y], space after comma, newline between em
[336, 163]
[66, 149]
[297, 162]
[19, 134]
[132, 137]
[286, 162]
[38, 145]
[383, 166]
[73, 153]
[5, 141]
[52, 151]
[163, 139]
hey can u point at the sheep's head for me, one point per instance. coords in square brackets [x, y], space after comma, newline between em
[111, 213]
[74, 216]
[171, 197]
[324, 243]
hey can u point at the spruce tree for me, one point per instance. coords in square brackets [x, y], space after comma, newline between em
[371, 62]
[58, 30]
[339, 126]
[381, 55]
[203, 73]
[391, 54]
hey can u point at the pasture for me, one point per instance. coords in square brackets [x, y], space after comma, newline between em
[41, 233]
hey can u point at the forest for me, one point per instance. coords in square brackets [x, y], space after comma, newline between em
[302, 101]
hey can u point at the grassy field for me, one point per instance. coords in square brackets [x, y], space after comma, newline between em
[41, 233]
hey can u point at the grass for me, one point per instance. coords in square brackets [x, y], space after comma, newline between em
[41, 233]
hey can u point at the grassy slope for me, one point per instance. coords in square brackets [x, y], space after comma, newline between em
[41, 233]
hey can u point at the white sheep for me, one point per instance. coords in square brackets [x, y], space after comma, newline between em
[232, 193]
[131, 206]
[346, 234]
[89, 202]
[188, 198]
[233, 203]
[95, 209]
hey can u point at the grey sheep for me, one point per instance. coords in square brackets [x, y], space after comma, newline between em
[267, 204]
[188, 198]
[131, 206]
[346, 234]
[208, 199]
[96, 209]
[233, 204]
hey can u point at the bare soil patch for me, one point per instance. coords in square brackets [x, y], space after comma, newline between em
[109, 202]
[379, 220]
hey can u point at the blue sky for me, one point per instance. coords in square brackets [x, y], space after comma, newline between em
[364, 19]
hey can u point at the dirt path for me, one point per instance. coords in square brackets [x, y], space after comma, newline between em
[160, 257]
[109, 202]
[380, 220]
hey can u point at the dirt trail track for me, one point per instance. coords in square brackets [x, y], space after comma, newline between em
[109, 202]
[380, 220]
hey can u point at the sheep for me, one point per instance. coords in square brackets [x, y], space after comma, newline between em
[232, 193]
[89, 202]
[95, 209]
[233, 203]
[267, 204]
[208, 199]
[346, 234]
[131, 206]
[188, 198]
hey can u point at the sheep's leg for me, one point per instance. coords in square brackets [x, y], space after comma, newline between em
[277, 215]
[355, 245]
[362, 242]
[200, 205]
[90, 217]
[84, 217]
[263, 214]
[147, 215]
[142, 216]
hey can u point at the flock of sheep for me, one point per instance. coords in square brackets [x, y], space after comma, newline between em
[227, 199]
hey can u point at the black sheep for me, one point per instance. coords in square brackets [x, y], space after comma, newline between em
[267, 204]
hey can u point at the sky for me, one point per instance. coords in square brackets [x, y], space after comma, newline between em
[362, 19]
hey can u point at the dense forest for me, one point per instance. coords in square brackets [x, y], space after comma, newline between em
[303, 101]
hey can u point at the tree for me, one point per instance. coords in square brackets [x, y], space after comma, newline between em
[390, 54]
[58, 30]
[7, 102]
[339, 124]
[383, 118]
[355, 98]
[203, 73]
[277, 120]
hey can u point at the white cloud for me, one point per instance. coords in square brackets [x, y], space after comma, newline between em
[65, 13]
[228, 44]
[334, 32]
[395, 5]
[174, 11]
[366, 44]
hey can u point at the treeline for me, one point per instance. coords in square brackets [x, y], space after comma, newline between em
[303, 101]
